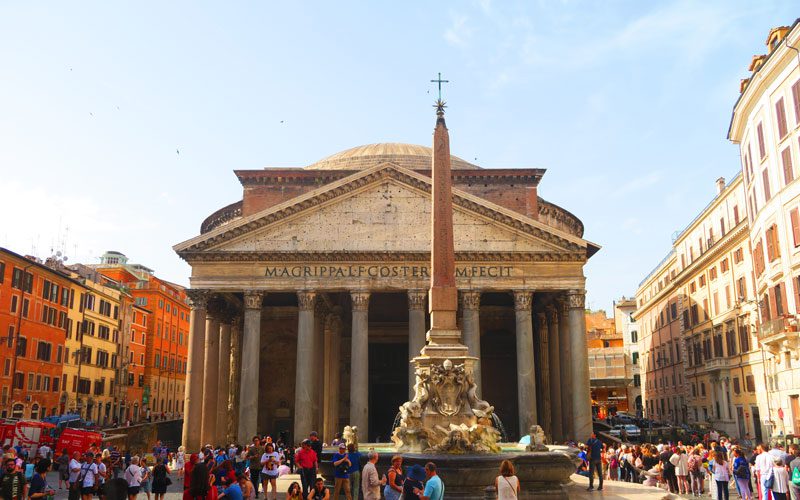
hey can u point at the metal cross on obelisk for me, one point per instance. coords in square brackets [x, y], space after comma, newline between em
[440, 82]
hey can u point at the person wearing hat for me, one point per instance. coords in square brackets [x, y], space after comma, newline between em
[414, 481]
[306, 460]
[341, 472]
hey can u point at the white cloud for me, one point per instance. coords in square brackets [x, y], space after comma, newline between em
[637, 184]
[459, 33]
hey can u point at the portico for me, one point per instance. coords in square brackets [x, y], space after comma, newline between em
[317, 302]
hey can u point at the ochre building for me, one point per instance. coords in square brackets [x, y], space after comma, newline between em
[321, 273]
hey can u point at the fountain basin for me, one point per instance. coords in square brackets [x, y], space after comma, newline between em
[541, 474]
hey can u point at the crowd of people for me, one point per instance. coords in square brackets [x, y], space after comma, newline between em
[713, 467]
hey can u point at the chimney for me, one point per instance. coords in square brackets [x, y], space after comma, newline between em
[720, 185]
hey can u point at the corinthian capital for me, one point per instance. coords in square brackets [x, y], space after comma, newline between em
[523, 300]
[576, 299]
[306, 300]
[471, 300]
[253, 299]
[360, 301]
[416, 299]
[198, 299]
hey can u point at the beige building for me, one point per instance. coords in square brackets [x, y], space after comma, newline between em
[627, 327]
[310, 293]
[766, 127]
[92, 348]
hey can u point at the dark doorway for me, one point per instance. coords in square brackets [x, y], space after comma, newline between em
[388, 387]
[757, 424]
[499, 377]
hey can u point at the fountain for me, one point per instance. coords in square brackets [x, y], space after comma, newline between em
[446, 422]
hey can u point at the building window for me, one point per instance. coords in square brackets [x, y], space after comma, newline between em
[765, 178]
[780, 115]
[634, 336]
[16, 411]
[762, 150]
[773, 250]
[702, 388]
[750, 383]
[44, 351]
[758, 258]
[744, 339]
[794, 216]
[22, 346]
[786, 159]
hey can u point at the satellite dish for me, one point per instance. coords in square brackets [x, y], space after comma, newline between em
[65, 258]
[58, 254]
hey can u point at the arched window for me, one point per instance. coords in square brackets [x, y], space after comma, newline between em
[35, 412]
[16, 411]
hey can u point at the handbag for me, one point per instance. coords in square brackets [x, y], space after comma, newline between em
[769, 482]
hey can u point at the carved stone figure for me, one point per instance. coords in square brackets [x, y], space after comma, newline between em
[537, 439]
[421, 393]
[448, 384]
[479, 407]
[350, 435]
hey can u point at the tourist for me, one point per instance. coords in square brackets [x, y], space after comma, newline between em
[270, 461]
[44, 451]
[316, 444]
[12, 484]
[62, 466]
[232, 491]
[394, 479]
[763, 468]
[74, 472]
[133, 476]
[116, 462]
[434, 487]
[39, 487]
[719, 468]
[160, 479]
[696, 474]
[794, 471]
[594, 455]
[506, 484]
[294, 492]
[780, 480]
[88, 477]
[146, 481]
[102, 473]
[681, 462]
[354, 472]
[254, 453]
[180, 461]
[248, 492]
[200, 487]
[341, 472]
[370, 483]
[306, 460]
[741, 471]
[613, 464]
[414, 481]
[319, 491]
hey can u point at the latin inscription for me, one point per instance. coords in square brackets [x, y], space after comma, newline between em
[374, 271]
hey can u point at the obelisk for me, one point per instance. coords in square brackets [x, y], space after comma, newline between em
[443, 296]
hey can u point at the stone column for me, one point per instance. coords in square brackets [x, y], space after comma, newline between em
[416, 332]
[556, 381]
[223, 390]
[471, 330]
[235, 379]
[251, 352]
[304, 376]
[581, 394]
[545, 418]
[333, 369]
[565, 366]
[320, 311]
[526, 369]
[193, 405]
[359, 364]
[208, 431]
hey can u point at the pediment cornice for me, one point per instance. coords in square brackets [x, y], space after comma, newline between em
[565, 242]
[241, 256]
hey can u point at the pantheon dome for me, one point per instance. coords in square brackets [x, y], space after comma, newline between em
[410, 156]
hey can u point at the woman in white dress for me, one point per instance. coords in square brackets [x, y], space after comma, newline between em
[506, 484]
[180, 460]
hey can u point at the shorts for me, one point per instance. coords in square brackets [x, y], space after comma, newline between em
[87, 490]
[146, 486]
[266, 477]
[63, 474]
[101, 489]
[133, 490]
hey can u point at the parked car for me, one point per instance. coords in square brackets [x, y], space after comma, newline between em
[631, 430]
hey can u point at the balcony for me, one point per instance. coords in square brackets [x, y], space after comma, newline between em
[772, 327]
[715, 364]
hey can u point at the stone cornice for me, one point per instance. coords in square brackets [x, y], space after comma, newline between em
[383, 257]
[355, 182]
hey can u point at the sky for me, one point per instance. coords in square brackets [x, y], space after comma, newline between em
[121, 122]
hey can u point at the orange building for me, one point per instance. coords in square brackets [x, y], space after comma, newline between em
[34, 305]
[610, 371]
[135, 355]
[166, 333]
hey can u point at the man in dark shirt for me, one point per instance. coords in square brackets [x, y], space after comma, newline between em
[594, 453]
[794, 489]
[316, 444]
[12, 485]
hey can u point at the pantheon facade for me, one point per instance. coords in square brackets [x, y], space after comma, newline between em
[309, 298]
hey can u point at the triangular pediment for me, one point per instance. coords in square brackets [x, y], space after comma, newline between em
[383, 209]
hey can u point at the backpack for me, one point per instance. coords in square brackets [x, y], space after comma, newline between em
[796, 476]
